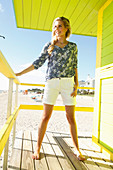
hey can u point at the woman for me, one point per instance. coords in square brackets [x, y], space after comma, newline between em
[61, 76]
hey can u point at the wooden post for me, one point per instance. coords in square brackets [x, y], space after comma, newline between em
[16, 96]
[16, 103]
[9, 108]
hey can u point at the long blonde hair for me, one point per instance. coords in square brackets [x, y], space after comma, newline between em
[54, 38]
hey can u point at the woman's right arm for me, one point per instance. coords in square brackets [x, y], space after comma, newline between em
[30, 68]
[37, 63]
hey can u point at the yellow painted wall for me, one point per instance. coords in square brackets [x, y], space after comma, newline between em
[107, 36]
[103, 110]
[106, 113]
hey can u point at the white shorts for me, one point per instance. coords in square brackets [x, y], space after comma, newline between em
[64, 86]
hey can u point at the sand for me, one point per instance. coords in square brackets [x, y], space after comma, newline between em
[28, 119]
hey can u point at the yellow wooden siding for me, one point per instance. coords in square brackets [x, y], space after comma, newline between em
[90, 23]
[88, 13]
[27, 13]
[39, 14]
[108, 49]
[105, 99]
[108, 11]
[18, 13]
[35, 13]
[106, 112]
[107, 36]
[77, 12]
[107, 86]
[66, 9]
[107, 116]
[107, 32]
[108, 40]
[42, 15]
[51, 12]
[107, 22]
[106, 137]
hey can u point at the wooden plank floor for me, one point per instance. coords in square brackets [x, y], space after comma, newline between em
[57, 153]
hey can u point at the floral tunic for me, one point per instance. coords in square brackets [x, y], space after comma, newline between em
[61, 63]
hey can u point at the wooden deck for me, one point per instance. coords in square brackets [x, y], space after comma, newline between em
[57, 153]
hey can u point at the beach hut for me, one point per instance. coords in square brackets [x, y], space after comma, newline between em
[90, 18]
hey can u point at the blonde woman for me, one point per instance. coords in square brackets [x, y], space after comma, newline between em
[61, 76]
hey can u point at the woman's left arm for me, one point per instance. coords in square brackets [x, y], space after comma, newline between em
[74, 93]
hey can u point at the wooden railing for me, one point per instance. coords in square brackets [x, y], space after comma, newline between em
[7, 71]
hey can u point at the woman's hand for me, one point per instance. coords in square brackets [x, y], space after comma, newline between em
[74, 93]
[18, 74]
[30, 68]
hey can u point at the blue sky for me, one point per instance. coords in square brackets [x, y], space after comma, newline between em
[22, 46]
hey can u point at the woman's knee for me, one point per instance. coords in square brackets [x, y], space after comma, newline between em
[71, 119]
[47, 112]
[46, 117]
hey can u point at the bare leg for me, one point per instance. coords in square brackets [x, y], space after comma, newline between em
[70, 114]
[42, 128]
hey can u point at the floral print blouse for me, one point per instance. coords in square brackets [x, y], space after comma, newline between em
[61, 63]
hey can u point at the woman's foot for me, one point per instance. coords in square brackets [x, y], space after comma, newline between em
[79, 156]
[35, 156]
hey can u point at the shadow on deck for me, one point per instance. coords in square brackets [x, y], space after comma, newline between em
[57, 153]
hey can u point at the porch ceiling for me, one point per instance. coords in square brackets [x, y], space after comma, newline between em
[39, 14]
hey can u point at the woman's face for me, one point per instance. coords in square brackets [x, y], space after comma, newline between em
[59, 29]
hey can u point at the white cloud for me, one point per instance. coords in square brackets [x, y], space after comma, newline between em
[1, 8]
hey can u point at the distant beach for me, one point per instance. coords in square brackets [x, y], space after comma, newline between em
[29, 119]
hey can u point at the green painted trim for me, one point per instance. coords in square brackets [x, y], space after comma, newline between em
[106, 146]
